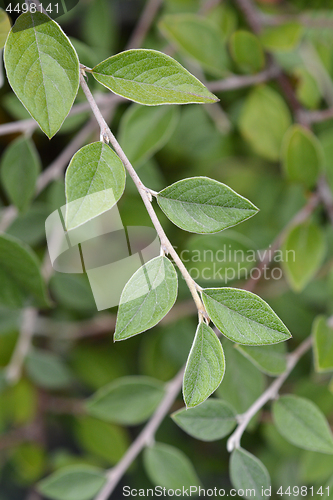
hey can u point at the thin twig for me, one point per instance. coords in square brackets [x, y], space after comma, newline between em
[146, 197]
[269, 394]
[145, 438]
[14, 368]
[239, 81]
[147, 17]
[29, 125]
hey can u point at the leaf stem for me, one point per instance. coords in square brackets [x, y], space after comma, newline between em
[271, 393]
[146, 195]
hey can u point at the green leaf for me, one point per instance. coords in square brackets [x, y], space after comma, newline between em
[247, 473]
[5, 26]
[302, 423]
[322, 332]
[150, 77]
[302, 156]
[42, 69]
[243, 383]
[147, 297]
[247, 51]
[212, 420]
[47, 370]
[20, 161]
[168, 467]
[304, 249]
[282, 38]
[20, 274]
[205, 367]
[73, 483]
[264, 120]
[243, 317]
[202, 205]
[127, 400]
[198, 38]
[269, 359]
[95, 180]
[308, 91]
[28, 461]
[103, 440]
[145, 130]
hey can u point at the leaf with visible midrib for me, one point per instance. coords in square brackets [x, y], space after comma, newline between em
[20, 161]
[95, 180]
[20, 274]
[79, 482]
[128, 400]
[152, 78]
[203, 205]
[204, 368]
[210, 421]
[147, 297]
[244, 317]
[42, 69]
[302, 423]
[247, 473]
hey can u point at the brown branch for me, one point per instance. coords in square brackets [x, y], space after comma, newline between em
[269, 394]
[239, 81]
[143, 26]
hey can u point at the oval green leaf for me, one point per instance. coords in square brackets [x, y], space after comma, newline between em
[20, 161]
[243, 317]
[73, 483]
[243, 383]
[152, 78]
[43, 69]
[269, 359]
[212, 420]
[127, 400]
[169, 467]
[247, 51]
[302, 156]
[198, 38]
[205, 367]
[264, 120]
[322, 332]
[101, 439]
[5, 26]
[247, 473]
[20, 274]
[47, 370]
[303, 252]
[145, 130]
[147, 297]
[203, 205]
[282, 38]
[302, 423]
[95, 180]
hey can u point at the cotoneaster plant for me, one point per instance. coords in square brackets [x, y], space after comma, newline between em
[45, 73]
